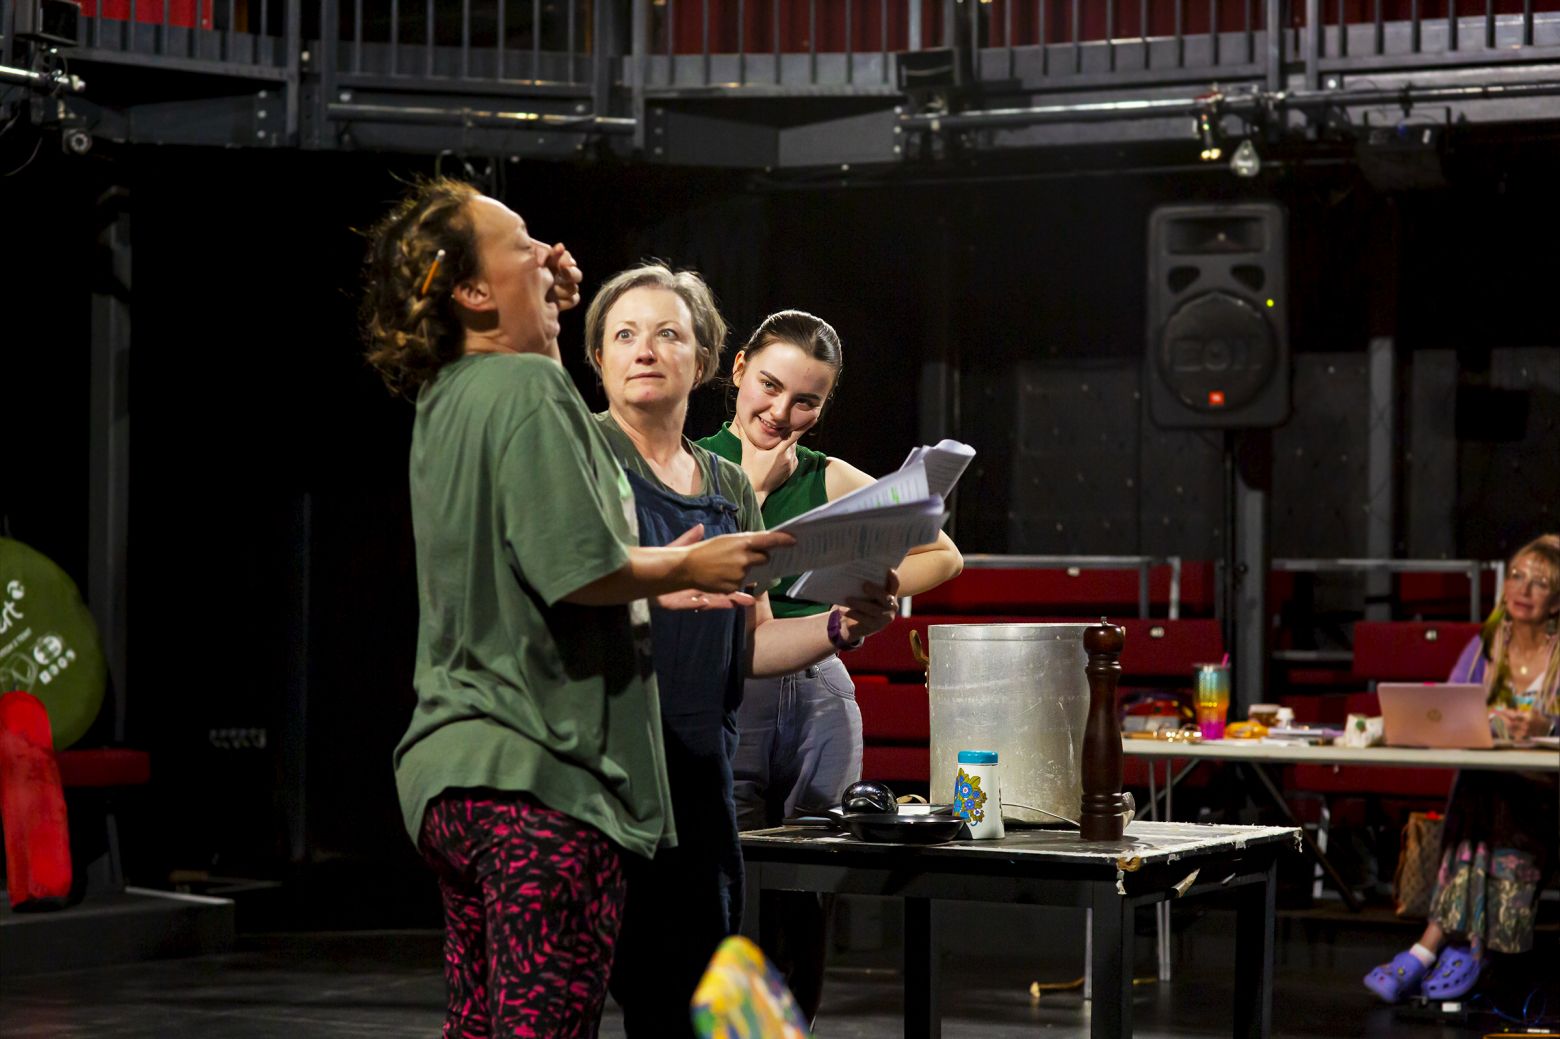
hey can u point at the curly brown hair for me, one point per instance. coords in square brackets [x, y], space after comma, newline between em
[408, 318]
[709, 328]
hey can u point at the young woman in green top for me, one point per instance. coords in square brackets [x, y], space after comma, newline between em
[533, 761]
[800, 734]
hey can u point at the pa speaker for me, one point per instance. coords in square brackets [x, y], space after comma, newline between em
[1218, 338]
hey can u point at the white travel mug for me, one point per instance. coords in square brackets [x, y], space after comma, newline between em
[977, 794]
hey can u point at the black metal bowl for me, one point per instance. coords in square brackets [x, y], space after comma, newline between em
[869, 796]
[902, 829]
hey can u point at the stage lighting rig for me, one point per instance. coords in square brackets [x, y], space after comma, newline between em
[40, 29]
[45, 26]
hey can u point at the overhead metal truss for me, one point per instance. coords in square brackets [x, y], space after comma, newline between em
[782, 83]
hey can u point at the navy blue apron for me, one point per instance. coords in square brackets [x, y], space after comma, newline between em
[681, 904]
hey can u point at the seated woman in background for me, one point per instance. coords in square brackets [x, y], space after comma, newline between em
[1499, 836]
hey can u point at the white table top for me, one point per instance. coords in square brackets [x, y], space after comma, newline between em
[1393, 757]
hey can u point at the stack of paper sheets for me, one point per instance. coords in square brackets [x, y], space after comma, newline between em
[856, 539]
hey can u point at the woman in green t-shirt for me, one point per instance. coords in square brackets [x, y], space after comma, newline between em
[533, 758]
[801, 742]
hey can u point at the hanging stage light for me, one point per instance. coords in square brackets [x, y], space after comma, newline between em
[1246, 162]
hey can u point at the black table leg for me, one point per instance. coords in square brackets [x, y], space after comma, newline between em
[1110, 1011]
[752, 888]
[1254, 912]
[923, 1002]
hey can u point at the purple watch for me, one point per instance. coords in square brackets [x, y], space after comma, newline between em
[837, 634]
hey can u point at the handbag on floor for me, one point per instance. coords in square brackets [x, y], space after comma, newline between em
[1419, 860]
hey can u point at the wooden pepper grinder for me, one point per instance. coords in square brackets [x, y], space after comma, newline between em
[1103, 815]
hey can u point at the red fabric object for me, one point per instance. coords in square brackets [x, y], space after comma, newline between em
[108, 766]
[32, 806]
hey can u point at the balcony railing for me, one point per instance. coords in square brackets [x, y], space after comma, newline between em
[593, 66]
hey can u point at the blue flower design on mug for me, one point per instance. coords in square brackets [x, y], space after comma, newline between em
[969, 800]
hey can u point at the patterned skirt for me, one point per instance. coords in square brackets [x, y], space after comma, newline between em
[1496, 850]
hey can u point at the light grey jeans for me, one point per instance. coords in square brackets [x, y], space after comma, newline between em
[799, 744]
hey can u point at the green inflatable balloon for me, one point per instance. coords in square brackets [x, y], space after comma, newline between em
[48, 641]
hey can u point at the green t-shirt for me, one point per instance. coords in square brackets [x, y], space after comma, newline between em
[802, 491]
[517, 501]
[733, 481]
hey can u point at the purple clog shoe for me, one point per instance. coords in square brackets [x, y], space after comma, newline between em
[1454, 974]
[1392, 981]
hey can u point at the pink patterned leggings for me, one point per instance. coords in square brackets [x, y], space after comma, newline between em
[532, 903]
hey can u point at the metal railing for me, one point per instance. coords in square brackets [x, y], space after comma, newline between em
[519, 43]
[782, 43]
[1123, 41]
[559, 56]
[1470, 568]
[256, 38]
[591, 65]
[1467, 32]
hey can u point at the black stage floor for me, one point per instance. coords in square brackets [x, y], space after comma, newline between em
[387, 984]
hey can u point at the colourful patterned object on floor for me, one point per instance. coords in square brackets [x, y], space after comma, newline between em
[743, 997]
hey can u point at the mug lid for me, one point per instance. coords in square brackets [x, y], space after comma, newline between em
[977, 757]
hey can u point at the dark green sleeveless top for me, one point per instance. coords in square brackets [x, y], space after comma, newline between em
[802, 492]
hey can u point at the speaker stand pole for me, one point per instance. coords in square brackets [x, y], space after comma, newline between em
[937, 396]
[1248, 463]
[108, 496]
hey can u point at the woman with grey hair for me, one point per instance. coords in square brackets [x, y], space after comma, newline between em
[653, 335]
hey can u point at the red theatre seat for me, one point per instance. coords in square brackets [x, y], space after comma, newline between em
[1432, 784]
[1031, 592]
[1441, 595]
[895, 730]
[1169, 649]
[1068, 592]
[889, 652]
[893, 763]
[1154, 648]
[1409, 651]
[894, 712]
[182, 13]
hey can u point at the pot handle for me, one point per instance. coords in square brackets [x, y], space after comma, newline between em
[918, 651]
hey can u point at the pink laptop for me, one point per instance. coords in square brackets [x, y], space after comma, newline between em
[1449, 715]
